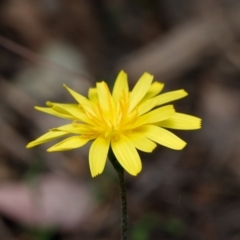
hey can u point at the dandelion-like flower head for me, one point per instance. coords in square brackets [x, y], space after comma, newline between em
[125, 121]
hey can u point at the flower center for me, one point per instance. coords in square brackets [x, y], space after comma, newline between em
[109, 122]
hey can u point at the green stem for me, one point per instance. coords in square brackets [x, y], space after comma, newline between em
[120, 172]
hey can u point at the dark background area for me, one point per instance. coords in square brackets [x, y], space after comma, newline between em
[193, 194]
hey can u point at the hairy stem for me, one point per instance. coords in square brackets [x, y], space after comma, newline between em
[124, 205]
[120, 173]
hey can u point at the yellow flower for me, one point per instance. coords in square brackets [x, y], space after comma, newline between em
[123, 120]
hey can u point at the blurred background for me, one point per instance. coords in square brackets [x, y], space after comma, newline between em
[193, 194]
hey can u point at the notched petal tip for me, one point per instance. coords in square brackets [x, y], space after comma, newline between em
[179, 146]
[95, 175]
[159, 85]
[200, 123]
[147, 73]
[136, 173]
[101, 83]
[153, 148]
[182, 147]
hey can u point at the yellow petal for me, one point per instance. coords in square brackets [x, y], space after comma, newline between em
[147, 105]
[120, 86]
[141, 142]
[154, 116]
[160, 113]
[92, 95]
[127, 155]
[64, 108]
[140, 90]
[73, 110]
[171, 96]
[65, 128]
[163, 137]
[78, 97]
[55, 113]
[87, 105]
[181, 121]
[154, 90]
[98, 155]
[105, 98]
[75, 128]
[90, 109]
[49, 136]
[69, 143]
